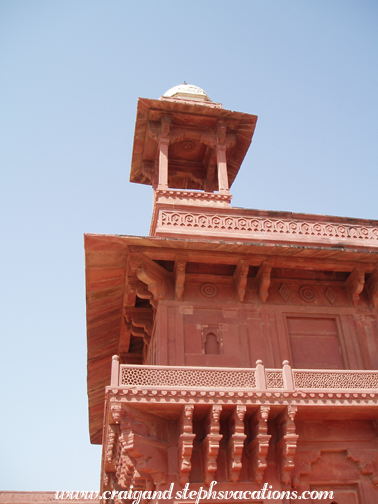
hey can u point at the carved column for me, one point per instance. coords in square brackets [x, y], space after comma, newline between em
[210, 445]
[259, 445]
[287, 444]
[163, 146]
[236, 442]
[185, 444]
[222, 158]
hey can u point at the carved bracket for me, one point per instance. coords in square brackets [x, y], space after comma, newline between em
[372, 288]
[240, 278]
[116, 411]
[185, 444]
[366, 461]
[141, 322]
[304, 461]
[355, 284]
[236, 442]
[287, 445]
[179, 273]
[263, 280]
[142, 446]
[210, 445]
[258, 447]
[111, 442]
[152, 275]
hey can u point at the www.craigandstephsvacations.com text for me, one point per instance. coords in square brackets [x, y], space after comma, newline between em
[196, 496]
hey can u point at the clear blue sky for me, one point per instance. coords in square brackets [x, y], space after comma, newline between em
[70, 76]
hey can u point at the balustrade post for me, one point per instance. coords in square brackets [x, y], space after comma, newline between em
[114, 378]
[260, 375]
[288, 378]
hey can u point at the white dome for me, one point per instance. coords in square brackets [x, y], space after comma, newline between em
[188, 92]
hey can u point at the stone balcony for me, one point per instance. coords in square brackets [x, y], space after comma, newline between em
[188, 381]
[160, 419]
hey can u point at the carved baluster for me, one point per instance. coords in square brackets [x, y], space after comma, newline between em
[210, 445]
[240, 278]
[236, 442]
[355, 284]
[258, 447]
[287, 444]
[372, 288]
[114, 378]
[185, 444]
[263, 280]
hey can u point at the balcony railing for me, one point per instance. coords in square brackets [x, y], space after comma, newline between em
[257, 379]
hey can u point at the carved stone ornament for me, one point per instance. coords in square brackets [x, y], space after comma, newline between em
[210, 445]
[263, 279]
[330, 294]
[355, 284]
[284, 292]
[259, 445]
[240, 278]
[372, 288]
[287, 444]
[209, 290]
[185, 444]
[307, 293]
[236, 442]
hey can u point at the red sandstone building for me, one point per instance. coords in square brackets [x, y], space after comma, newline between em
[230, 345]
[245, 341]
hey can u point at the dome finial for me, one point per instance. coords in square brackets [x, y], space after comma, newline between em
[187, 92]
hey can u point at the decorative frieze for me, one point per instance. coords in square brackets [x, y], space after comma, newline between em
[255, 227]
